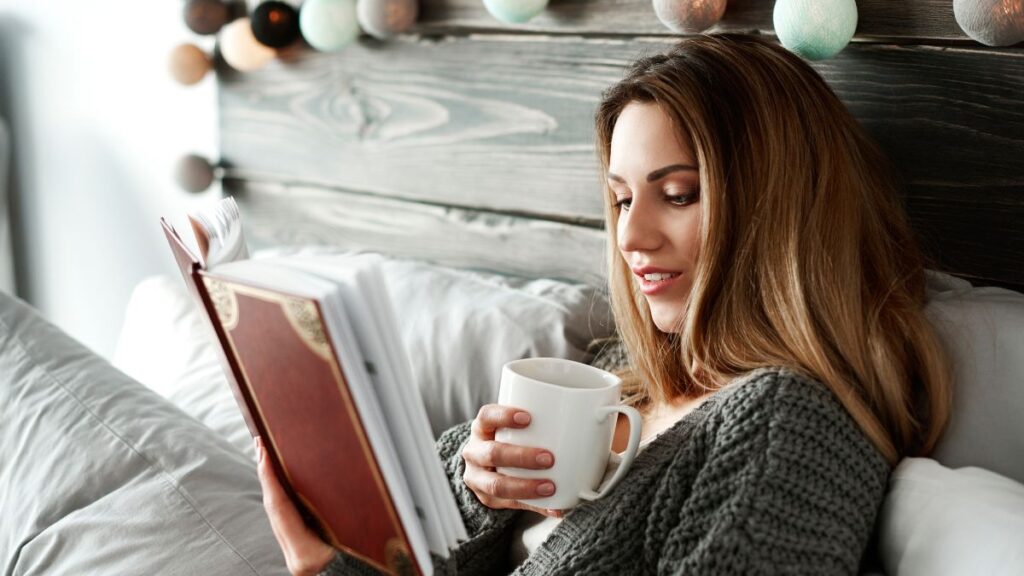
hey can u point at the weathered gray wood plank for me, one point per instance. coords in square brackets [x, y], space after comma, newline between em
[891, 19]
[281, 215]
[504, 123]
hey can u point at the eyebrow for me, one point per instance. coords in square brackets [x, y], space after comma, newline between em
[657, 174]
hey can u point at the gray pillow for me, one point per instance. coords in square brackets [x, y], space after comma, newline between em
[99, 475]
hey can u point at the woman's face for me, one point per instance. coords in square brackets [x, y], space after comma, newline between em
[657, 189]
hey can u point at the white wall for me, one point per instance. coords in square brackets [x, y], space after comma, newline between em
[97, 125]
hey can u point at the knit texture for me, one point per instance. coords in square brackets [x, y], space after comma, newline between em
[769, 475]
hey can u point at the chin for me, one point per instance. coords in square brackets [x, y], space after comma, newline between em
[667, 321]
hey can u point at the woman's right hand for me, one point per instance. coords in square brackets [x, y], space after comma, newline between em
[483, 454]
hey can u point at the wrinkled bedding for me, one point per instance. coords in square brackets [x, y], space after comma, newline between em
[100, 475]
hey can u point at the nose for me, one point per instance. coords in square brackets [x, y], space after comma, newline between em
[638, 229]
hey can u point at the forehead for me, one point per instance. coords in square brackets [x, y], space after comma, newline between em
[644, 136]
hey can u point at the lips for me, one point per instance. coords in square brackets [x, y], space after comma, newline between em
[654, 280]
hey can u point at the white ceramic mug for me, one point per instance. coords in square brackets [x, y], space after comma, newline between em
[572, 408]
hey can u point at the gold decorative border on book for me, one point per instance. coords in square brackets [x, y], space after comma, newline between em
[302, 316]
[224, 301]
[279, 298]
[397, 554]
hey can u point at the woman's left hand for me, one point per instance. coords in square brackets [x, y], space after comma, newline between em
[304, 552]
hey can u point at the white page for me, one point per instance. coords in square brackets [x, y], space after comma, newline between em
[399, 397]
[222, 224]
[416, 410]
[270, 274]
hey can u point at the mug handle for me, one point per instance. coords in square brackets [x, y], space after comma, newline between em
[635, 423]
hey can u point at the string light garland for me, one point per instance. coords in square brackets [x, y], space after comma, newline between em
[991, 22]
[383, 19]
[275, 24]
[240, 48]
[689, 16]
[189, 64]
[206, 17]
[515, 11]
[815, 29]
[195, 174]
[329, 25]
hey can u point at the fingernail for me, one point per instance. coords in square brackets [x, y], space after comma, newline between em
[521, 418]
[546, 489]
[259, 448]
[545, 459]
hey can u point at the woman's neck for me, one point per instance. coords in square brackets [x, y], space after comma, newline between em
[658, 417]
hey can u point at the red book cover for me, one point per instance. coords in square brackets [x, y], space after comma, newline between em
[291, 388]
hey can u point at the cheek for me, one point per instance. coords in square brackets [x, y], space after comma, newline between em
[685, 235]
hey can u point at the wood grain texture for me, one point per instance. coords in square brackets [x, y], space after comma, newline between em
[505, 124]
[889, 19]
[282, 215]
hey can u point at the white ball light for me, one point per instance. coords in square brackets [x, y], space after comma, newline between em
[329, 25]
[991, 22]
[385, 18]
[240, 48]
[689, 16]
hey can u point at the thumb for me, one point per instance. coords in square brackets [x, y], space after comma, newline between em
[284, 517]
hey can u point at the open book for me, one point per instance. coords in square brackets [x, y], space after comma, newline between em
[316, 363]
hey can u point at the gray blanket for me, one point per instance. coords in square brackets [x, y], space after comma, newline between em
[99, 475]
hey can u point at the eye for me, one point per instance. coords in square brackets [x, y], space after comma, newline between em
[683, 199]
[623, 204]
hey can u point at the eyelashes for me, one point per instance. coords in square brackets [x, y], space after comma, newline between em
[679, 200]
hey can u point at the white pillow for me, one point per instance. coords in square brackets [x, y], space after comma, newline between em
[983, 330]
[458, 328]
[937, 521]
[166, 345]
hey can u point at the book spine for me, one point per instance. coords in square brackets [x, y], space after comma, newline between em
[232, 372]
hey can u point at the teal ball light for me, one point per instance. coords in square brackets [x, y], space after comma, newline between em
[815, 29]
[329, 25]
[515, 11]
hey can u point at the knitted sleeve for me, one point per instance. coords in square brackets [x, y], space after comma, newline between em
[790, 485]
[485, 552]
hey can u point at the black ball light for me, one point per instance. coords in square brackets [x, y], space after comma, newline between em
[275, 24]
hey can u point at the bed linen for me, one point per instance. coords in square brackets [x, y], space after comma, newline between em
[100, 475]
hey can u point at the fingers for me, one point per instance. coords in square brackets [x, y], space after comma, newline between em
[284, 518]
[492, 454]
[494, 416]
[490, 486]
[304, 551]
[543, 511]
[483, 454]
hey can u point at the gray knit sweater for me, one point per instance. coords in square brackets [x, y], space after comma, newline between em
[769, 475]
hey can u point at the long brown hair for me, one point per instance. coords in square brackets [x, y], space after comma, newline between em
[806, 259]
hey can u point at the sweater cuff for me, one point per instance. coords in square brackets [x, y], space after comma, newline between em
[344, 565]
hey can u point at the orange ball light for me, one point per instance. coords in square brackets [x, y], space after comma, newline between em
[240, 48]
[188, 64]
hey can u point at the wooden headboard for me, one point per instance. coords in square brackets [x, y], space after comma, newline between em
[470, 143]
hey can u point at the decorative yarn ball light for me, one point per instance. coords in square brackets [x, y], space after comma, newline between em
[991, 22]
[815, 29]
[188, 64]
[689, 16]
[329, 25]
[193, 173]
[275, 24]
[206, 16]
[384, 18]
[515, 11]
[240, 48]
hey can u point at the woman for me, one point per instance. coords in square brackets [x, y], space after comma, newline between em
[769, 295]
